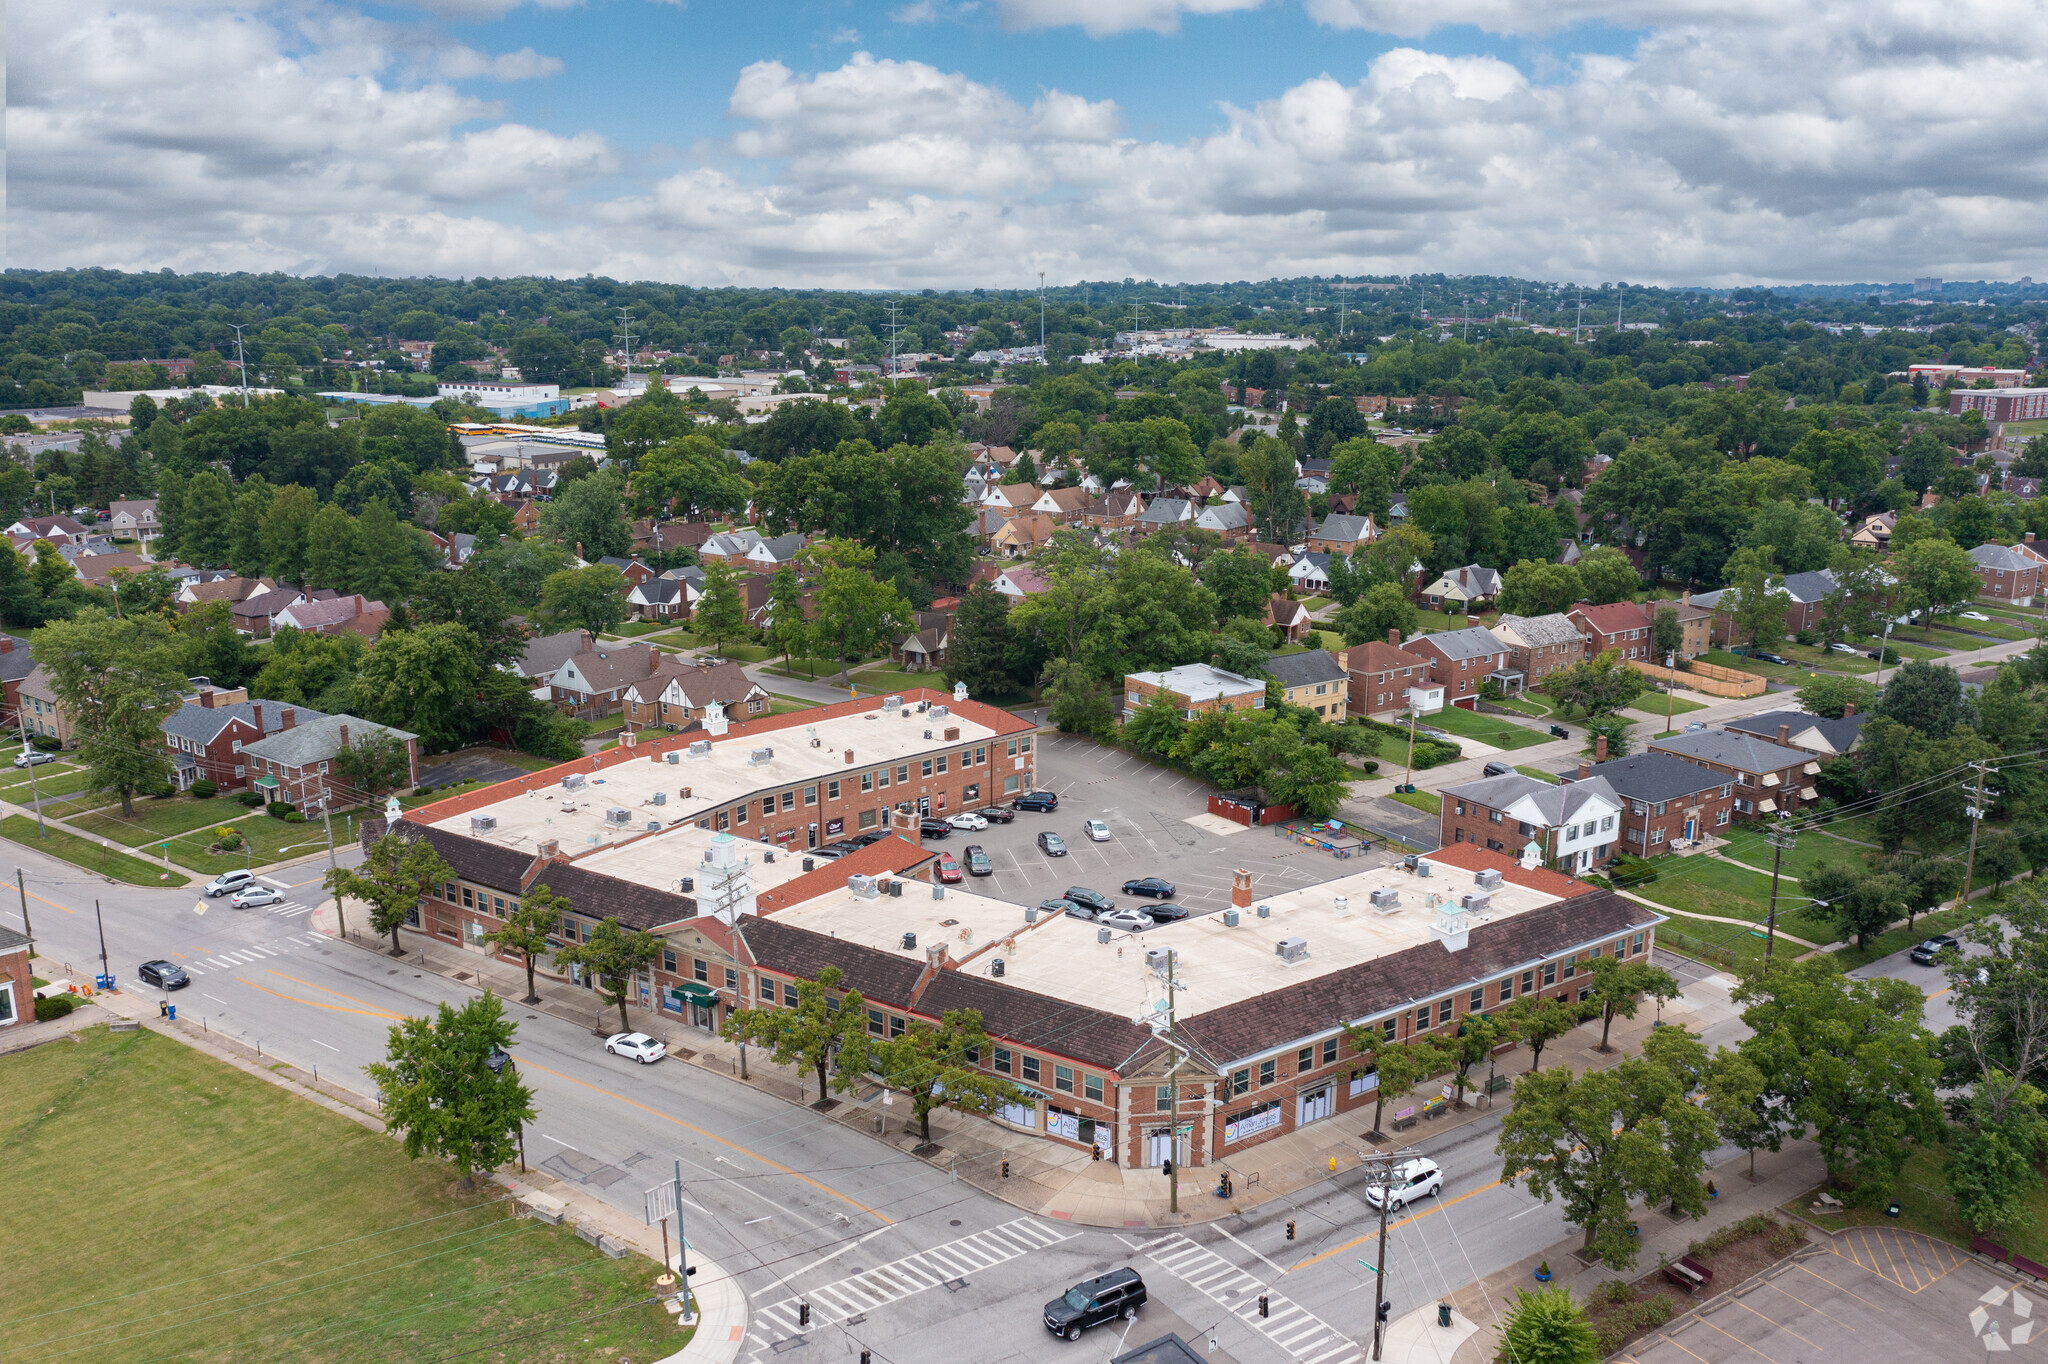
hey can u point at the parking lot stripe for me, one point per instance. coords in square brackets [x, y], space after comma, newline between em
[1840, 1288]
[1775, 1322]
[1810, 1307]
[1739, 1341]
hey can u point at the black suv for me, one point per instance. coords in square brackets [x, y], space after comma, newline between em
[1925, 953]
[1119, 1293]
[1090, 899]
[1041, 801]
[933, 828]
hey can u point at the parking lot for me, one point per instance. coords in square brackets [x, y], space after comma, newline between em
[1149, 812]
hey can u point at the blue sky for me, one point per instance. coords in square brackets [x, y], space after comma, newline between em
[826, 142]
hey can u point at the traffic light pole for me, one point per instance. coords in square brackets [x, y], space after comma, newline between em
[1173, 1084]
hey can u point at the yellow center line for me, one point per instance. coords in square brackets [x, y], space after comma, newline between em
[328, 989]
[1407, 1221]
[710, 1136]
[318, 1004]
[52, 903]
[1937, 994]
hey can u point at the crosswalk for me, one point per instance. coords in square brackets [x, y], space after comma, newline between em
[862, 1293]
[250, 955]
[289, 909]
[1288, 1324]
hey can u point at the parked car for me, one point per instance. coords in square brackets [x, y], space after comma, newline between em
[1097, 831]
[1157, 886]
[637, 1046]
[166, 975]
[1119, 1293]
[1695, 726]
[28, 757]
[1974, 615]
[996, 814]
[1778, 659]
[1166, 913]
[1127, 920]
[227, 882]
[497, 1059]
[1844, 648]
[859, 841]
[252, 896]
[968, 820]
[1496, 769]
[1094, 899]
[829, 853]
[1418, 1178]
[1051, 844]
[1924, 954]
[933, 828]
[978, 863]
[949, 870]
[1066, 907]
[1041, 801]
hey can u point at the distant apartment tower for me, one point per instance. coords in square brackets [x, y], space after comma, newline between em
[2001, 404]
[1927, 285]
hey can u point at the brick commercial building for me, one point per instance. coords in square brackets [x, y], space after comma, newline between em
[1382, 673]
[1669, 803]
[1195, 688]
[208, 734]
[2007, 574]
[1573, 826]
[2001, 404]
[1539, 645]
[1769, 777]
[1459, 660]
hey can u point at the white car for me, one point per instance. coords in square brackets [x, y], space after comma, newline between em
[30, 758]
[1975, 615]
[249, 897]
[1097, 831]
[227, 882]
[967, 820]
[1128, 920]
[637, 1045]
[1845, 648]
[1412, 1180]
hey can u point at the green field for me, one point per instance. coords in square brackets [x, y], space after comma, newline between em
[61, 780]
[1538, 773]
[1705, 885]
[271, 1229]
[1653, 704]
[92, 856]
[1429, 802]
[1487, 729]
[1533, 706]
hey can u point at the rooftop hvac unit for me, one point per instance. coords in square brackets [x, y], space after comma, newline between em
[892, 703]
[1156, 958]
[938, 713]
[700, 748]
[759, 756]
[618, 814]
[923, 706]
[1291, 949]
[673, 756]
[1386, 898]
[863, 886]
[938, 892]
[1421, 868]
[573, 782]
[927, 734]
[482, 824]
[1475, 902]
[1488, 879]
[768, 855]
[652, 825]
[661, 797]
[909, 942]
[1230, 918]
[995, 968]
[896, 889]
[810, 864]
[1031, 914]
[1265, 911]
[689, 884]
[952, 733]
[1101, 934]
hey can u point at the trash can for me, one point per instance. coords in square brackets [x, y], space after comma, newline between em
[1443, 1314]
[173, 1012]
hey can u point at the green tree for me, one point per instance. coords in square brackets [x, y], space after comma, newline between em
[1830, 695]
[118, 680]
[1739, 1100]
[1400, 1066]
[543, 355]
[788, 628]
[1474, 1041]
[397, 872]
[519, 567]
[824, 1033]
[1156, 726]
[1603, 1140]
[589, 517]
[1926, 696]
[206, 520]
[615, 956]
[373, 764]
[1598, 686]
[528, 928]
[1538, 1020]
[424, 680]
[1667, 636]
[720, 615]
[981, 650]
[1241, 580]
[1940, 576]
[1619, 987]
[591, 598]
[286, 533]
[939, 1065]
[1990, 1168]
[693, 474]
[1607, 574]
[1548, 1327]
[468, 598]
[245, 528]
[1379, 610]
[1537, 587]
[1756, 599]
[437, 1084]
[855, 609]
[387, 562]
[331, 556]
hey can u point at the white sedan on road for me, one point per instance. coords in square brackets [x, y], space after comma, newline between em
[967, 820]
[1413, 1179]
[637, 1045]
[252, 896]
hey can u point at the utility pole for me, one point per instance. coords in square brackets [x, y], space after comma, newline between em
[1043, 357]
[1781, 838]
[106, 972]
[22, 886]
[21, 719]
[1977, 810]
[1670, 680]
[682, 1245]
[241, 363]
[1378, 1168]
[1580, 321]
[1409, 780]
[1173, 1083]
[327, 823]
[626, 326]
[893, 309]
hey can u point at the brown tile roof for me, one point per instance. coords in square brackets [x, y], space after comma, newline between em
[894, 855]
[228, 589]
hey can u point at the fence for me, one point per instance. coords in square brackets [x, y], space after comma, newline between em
[1705, 677]
[1248, 811]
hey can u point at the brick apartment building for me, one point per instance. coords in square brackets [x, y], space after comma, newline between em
[1381, 674]
[1539, 645]
[208, 734]
[1195, 688]
[1574, 825]
[296, 765]
[1459, 660]
[1769, 777]
[1621, 625]
[1669, 803]
[2008, 574]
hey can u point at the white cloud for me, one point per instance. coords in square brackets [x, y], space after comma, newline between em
[464, 63]
[1414, 18]
[845, 36]
[1100, 17]
[1835, 148]
[921, 12]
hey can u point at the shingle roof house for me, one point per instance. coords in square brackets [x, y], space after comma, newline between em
[1814, 733]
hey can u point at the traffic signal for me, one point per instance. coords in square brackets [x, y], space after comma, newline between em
[1290, 1231]
[803, 1314]
[1386, 1310]
[1262, 1305]
[1006, 1169]
[863, 1357]
[1223, 1186]
[1166, 1166]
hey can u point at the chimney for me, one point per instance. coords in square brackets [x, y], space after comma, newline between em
[1394, 638]
[286, 720]
[1241, 889]
[259, 719]
[1600, 748]
[1585, 769]
[653, 660]
[359, 603]
[1685, 597]
[206, 697]
[849, 757]
[1848, 709]
[588, 642]
[344, 736]
[1785, 735]
[2028, 539]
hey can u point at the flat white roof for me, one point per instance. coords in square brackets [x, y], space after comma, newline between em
[1060, 956]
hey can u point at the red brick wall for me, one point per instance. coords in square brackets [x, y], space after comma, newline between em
[14, 979]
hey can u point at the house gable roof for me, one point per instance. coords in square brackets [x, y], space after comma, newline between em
[1732, 748]
[1470, 642]
[1307, 668]
[1656, 776]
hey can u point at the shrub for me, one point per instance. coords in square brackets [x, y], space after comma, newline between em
[278, 809]
[295, 818]
[45, 743]
[1626, 1320]
[250, 799]
[1371, 765]
[1614, 1290]
[227, 838]
[204, 789]
[55, 1006]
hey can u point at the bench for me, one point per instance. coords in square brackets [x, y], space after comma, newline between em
[1404, 1120]
[1984, 1246]
[2026, 1266]
[1498, 1083]
[1686, 1280]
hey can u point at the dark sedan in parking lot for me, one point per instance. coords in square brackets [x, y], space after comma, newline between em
[997, 814]
[1166, 913]
[977, 859]
[1051, 844]
[1090, 899]
[933, 828]
[1156, 886]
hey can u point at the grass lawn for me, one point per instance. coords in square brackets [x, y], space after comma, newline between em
[640, 629]
[269, 840]
[1487, 729]
[1705, 885]
[1428, 622]
[1538, 773]
[1721, 658]
[49, 781]
[338, 1247]
[783, 705]
[895, 679]
[1653, 704]
[1925, 1205]
[805, 669]
[85, 853]
[1429, 802]
[156, 820]
[1535, 707]
[1926, 926]
[1812, 849]
[512, 757]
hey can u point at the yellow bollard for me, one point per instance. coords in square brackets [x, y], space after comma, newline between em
[1333, 1165]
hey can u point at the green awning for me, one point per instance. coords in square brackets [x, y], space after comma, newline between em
[693, 992]
[270, 782]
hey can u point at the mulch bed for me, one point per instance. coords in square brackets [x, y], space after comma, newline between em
[1622, 1311]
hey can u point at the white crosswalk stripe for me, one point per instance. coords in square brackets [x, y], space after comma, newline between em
[899, 1279]
[1289, 1325]
[290, 909]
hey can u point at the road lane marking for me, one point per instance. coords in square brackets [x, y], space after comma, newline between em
[216, 999]
[1405, 1222]
[558, 1141]
[316, 1004]
[1221, 1232]
[708, 1136]
[318, 1043]
[53, 903]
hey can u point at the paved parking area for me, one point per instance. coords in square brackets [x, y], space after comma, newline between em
[1876, 1293]
[1148, 810]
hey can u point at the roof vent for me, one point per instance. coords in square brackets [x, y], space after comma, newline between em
[910, 942]
[482, 824]
[863, 886]
[618, 814]
[1488, 879]
[952, 732]
[652, 825]
[573, 782]
[768, 855]
[1342, 908]
[1265, 911]
[1291, 949]
[810, 864]
[1230, 918]
[700, 748]
[938, 892]
[674, 756]
[661, 797]
[1031, 914]
[759, 756]
[689, 883]
[995, 968]
[1386, 897]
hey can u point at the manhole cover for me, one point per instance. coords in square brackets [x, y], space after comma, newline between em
[954, 1223]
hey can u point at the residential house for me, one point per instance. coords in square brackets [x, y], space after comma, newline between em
[208, 733]
[1342, 534]
[256, 616]
[1018, 583]
[1023, 535]
[1117, 509]
[1315, 679]
[1228, 519]
[632, 570]
[1314, 476]
[525, 515]
[1620, 625]
[1165, 511]
[1014, 497]
[135, 520]
[987, 521]
[98, 570]
[1310, 572]
[1568, 552]
[592, 683]
[37, 710]
[1875, 533]
[1539, 645]
[1805, 593]
[924, 649]
[1695, 623]
[1814, 733]
[729, 547]
[1460, 660]
[229, 589]
[774, 552]
[544, 654]
[1382, 672]
[62, 528]
[2006, 574]
[1206, 489]
[1669, 803]
[1462, 589]
[1195, 688]
[662, 598]
[1063, 505]
[1769, 777]
[295, 765]
[354, 614]
[1287, 616]
[670, 536]
[1575, 826]
[675, 694]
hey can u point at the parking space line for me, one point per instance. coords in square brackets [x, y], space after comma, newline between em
[1774, 1322]
[1810, 1307]
[1840, 1288]
[1739, 1341]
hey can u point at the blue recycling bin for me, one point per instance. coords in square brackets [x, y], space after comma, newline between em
[174, 1013]
[103, 982]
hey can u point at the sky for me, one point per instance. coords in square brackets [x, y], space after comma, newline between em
[976, 143]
